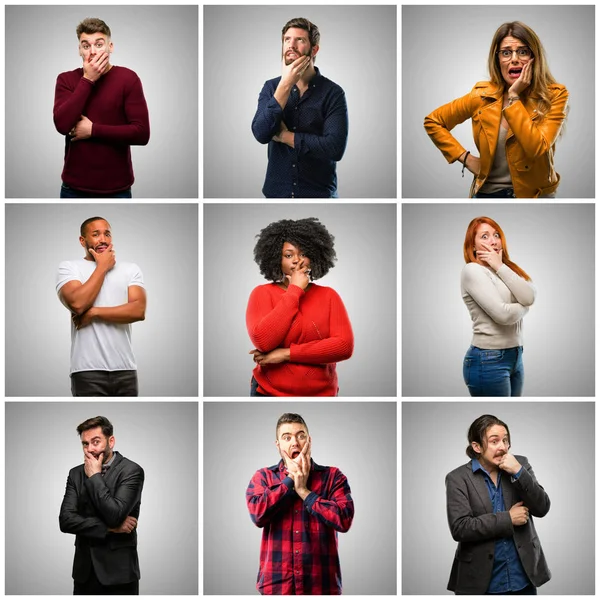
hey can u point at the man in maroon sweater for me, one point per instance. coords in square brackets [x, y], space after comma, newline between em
[101, 110]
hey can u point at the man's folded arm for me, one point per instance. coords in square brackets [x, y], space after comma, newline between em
[331, 145]
[134, 310]
[137, 130]
[337, 510]
[464, 526]
[263, 500]
[69, 104]
[532, 493]
[115, 508]
[71, 521]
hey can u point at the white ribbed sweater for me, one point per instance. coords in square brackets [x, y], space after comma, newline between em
[497, 303]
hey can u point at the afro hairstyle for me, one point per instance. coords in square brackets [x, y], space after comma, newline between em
[309, 235]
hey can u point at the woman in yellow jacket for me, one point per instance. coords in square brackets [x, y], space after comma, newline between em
[517, 118]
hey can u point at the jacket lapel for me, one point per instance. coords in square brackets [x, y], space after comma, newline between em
[480, 487]
[507, 490]
[491, 115]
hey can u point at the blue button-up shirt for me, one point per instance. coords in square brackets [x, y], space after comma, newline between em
[508, 574]
[319, 121]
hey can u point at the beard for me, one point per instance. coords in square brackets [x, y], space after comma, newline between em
[290, 59]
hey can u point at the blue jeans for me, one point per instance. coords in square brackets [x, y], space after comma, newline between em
[69, 192]
[530, 590]
[254, 387]
[494, 372]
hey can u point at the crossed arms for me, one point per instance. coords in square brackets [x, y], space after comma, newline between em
[113, 511]
[79, 299]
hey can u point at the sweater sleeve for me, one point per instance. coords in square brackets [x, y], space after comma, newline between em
[441, 121]
[69, 104]
[537, 136]
[137, 129]
[267, 324]
[480, 287]
[335, 348]
[522, 290]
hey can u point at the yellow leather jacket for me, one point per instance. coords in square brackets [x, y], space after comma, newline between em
[529, 142]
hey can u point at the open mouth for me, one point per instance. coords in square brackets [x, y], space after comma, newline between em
[515, 71]
[101, 248]
[295, 454]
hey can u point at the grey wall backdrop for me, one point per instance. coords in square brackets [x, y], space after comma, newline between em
[558, 440]
[42, 445]
[159, 43]
[161, 239]
[364, 277]
[436, 73]
[357, 437]
[357, 51]
[553, 243]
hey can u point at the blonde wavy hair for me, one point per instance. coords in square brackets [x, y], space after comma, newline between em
[542, 77]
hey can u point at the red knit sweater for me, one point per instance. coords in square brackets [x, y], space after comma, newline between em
[116, 106]
[313, 324]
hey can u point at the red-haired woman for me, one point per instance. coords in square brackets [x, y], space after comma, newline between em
[517, 117]
[498, 294]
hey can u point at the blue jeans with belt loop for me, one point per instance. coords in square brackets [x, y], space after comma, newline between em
[494, 372]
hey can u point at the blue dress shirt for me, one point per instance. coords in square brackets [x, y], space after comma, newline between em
[319, 121]
[508, 574]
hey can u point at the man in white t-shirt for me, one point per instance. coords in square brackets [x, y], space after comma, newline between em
[105, 297]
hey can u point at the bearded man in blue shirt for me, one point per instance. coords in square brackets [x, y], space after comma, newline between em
[303, 118]
[491, 502]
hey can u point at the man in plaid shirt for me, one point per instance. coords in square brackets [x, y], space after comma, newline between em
[301, 506]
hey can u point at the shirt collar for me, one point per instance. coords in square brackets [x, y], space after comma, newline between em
[112, 459]
[477, 466]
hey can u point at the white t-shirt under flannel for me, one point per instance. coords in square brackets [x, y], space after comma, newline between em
[102, 346]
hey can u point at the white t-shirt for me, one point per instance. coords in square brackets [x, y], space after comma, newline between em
[102, 346]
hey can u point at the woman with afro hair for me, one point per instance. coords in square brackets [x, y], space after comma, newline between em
[300, 330]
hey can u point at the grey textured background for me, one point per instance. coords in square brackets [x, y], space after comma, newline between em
[357, 437]
[436, 73]
[553, 243]
[558, 440]
[42, 446]
[364, 277]
[161, 239]
[157, 42]
[242, 50]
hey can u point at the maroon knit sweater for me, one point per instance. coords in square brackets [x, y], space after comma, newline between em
[116, 106]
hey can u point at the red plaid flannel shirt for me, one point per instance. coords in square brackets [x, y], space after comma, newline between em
[299, 548]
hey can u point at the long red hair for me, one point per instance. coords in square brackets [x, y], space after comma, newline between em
[469, 250]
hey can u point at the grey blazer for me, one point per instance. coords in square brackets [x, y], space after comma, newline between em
[476, 528]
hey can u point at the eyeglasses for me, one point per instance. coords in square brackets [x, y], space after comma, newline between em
[524, 53]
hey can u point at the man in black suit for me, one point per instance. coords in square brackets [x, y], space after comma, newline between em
[101, 507]
[490, 503]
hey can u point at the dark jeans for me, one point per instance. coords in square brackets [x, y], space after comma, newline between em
[104, 383]
[69, 192]
[530, 590]
[254, 387]
[92, 587]
[494, 372]
[505, 193]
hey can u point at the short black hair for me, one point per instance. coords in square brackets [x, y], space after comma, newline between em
[477, 432]
[309, 235]
[87, 222]
[107, 428]
[289, 418]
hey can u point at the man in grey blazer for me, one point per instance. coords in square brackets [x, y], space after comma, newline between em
[490, 503]
[101, 507]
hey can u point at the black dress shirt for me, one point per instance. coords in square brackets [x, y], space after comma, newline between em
[319, 121]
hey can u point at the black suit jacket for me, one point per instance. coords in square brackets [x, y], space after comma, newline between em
[476, 528]
[90, 507]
